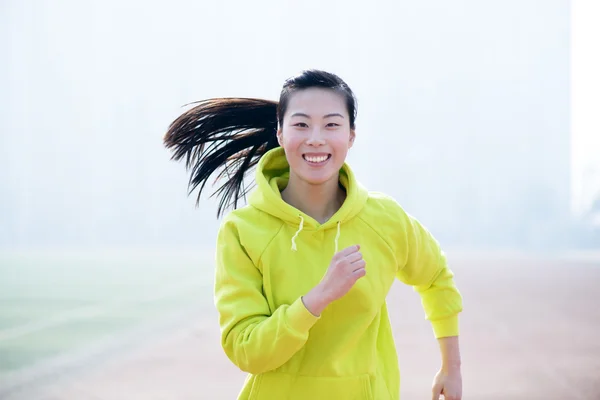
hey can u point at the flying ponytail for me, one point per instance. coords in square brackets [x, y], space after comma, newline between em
[229, 134]
[232, 134]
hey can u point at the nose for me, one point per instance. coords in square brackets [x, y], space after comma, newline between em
[315, 137]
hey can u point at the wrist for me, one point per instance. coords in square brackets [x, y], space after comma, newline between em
[451, 368]
[316, 300]
[450, 352]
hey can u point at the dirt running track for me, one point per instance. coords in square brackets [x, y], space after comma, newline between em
[530, 330]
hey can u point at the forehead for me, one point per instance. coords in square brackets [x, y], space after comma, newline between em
[317, 102]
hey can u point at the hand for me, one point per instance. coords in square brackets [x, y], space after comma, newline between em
[347, 266]
[448, 384]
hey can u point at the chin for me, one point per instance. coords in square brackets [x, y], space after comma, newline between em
[318, 178]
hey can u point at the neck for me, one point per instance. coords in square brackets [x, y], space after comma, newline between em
[318, 201]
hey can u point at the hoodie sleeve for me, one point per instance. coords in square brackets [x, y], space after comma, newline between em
[255, 339]
[423, 266]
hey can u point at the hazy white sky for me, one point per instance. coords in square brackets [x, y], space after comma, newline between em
[463, 107]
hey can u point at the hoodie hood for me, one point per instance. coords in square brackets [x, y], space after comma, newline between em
[272, 176]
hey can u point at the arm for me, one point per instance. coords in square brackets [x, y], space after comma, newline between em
[425, 268]
[448, 380]
[253, 338]
[450, 352]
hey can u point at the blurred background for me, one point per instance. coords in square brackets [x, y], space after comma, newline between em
[478, 117]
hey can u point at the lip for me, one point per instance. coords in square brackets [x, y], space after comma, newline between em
[328, 155]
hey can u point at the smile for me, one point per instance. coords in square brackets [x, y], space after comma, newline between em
[316, 159]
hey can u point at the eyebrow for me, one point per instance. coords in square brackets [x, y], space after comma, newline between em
[326, 116]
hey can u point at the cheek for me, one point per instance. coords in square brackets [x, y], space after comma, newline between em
[340, 142]
[291, 141]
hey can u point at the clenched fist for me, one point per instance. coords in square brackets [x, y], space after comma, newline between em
[346, 267]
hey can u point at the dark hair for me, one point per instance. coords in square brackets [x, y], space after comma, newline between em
[232, 134]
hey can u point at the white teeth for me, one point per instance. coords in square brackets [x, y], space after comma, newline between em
[316, 159]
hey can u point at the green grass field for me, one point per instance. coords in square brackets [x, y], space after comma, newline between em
[53, 303]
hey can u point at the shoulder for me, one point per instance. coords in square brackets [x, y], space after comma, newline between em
[382, 198]
[388, 217]
[249, 228]
[249, 219]
[384, 215]
[394, 220]
[381, 204]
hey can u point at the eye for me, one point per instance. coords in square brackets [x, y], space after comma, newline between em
[301, 125]
[333, 125]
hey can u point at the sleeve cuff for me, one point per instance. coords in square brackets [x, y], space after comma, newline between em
[445, 327]
[299, 318]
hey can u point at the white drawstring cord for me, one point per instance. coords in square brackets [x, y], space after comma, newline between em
[337, 236]
[294, 248]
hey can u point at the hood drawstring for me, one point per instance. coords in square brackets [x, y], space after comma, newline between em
[294, 248]
[337, 236]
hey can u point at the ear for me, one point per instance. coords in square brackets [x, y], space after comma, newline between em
[351, 139]
[279, 137]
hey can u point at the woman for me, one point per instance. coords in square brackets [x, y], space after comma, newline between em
[304, 269]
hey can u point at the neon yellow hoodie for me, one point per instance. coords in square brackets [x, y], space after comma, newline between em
[269, 254]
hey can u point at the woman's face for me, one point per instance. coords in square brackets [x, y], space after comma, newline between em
[316, 134]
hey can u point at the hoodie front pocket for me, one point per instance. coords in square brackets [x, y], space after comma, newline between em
[277, 385]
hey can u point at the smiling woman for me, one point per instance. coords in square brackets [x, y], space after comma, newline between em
[297, 308]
